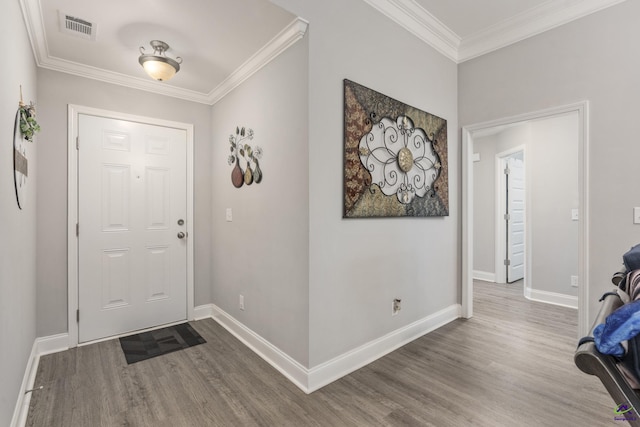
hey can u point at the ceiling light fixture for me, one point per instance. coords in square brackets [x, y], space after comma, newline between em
[157, 65]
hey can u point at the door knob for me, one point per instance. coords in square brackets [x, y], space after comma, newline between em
[181, 235]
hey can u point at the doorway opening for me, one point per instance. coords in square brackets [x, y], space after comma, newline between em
[473, 134]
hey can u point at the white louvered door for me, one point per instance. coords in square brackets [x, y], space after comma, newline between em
[131, 214]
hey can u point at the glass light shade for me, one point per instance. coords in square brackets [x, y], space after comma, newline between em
[157, 65]
[158, 69]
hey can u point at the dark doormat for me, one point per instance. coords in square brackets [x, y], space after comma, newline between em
[161, 341]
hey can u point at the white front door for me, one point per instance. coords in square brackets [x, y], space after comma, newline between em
[515, 223]
[132, 207]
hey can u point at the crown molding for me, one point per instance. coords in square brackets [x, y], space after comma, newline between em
[281, 42]
[534, 21]
[32, 14]
[418, 21]
[82, 70]
[406, 13]
[551, 14]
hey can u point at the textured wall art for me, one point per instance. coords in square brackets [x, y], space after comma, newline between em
[250, 159]
[395, 157]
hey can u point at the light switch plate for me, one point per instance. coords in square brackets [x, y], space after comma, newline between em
[574, 214]
[229, 215]
[636, 215]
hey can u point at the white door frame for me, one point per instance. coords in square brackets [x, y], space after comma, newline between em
[582, 109]
[500, 228]
[72, 205]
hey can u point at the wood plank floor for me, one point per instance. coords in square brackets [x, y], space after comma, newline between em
[511, 365]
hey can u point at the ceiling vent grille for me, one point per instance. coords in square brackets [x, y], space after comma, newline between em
[77, 26]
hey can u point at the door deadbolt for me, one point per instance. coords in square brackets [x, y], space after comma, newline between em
[181, 222]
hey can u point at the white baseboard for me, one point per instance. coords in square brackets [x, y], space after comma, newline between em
[485, 276]
[52, 344]
[294, 371]
[554, 298]
[355, 359]
[203, 312]
[41, 347]
[310, 380]
[22, 405]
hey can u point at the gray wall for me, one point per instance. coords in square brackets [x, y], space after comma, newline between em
[18, 249]
[552, 184]
[591, 58]
[357, 267]
[57, 90]
[263, 253]
[553, 181]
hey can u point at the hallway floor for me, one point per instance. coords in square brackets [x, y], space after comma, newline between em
[510, 365]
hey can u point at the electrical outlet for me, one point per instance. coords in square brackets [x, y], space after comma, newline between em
[574, 281]
[396, 306]
[241, 302]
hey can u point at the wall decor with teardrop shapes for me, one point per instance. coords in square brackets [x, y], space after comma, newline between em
[243, 155]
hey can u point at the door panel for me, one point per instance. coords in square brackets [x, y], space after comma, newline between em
[131, 194]
[515, 225]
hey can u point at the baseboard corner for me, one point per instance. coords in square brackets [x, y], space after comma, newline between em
[204, 311]
[282, 362]
[310, 380]
[485, 276]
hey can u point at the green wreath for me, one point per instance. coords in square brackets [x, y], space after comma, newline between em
[28, 124]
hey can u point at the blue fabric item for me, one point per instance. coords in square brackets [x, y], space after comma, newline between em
[631, 258]
[621, 325]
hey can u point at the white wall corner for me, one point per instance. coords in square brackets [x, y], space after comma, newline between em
[485, 276]
[41, 347]
[533, 21]
[554, 298]
[334, 369]
[422, 24]
[281, 42]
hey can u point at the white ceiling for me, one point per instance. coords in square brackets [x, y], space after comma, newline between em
[223, 42]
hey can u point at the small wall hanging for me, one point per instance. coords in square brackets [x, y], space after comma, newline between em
[250, 159]
[395, 157]
[24, 129]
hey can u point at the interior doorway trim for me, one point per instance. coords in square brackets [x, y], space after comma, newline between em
[73, 112]
[468, 132]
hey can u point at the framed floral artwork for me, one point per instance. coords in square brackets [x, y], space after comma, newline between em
[395, 157]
